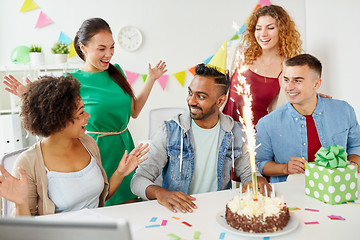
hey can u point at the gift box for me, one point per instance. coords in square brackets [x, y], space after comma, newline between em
[331, 178]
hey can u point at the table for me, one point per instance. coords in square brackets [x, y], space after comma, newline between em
[209, 204]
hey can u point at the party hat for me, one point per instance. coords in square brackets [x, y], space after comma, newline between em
[219, 59]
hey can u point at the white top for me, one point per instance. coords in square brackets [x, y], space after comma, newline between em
[206, 157]
[71, 191]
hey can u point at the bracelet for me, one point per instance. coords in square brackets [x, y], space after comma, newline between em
[354, 162]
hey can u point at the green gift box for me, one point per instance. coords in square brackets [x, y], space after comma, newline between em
[330, 178]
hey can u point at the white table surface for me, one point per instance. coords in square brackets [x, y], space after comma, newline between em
[210, 204]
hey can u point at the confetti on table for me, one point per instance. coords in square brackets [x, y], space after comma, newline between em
[176, 218]
[197, 235]
[309, 209]
[187, 224]
[222, 235]
[174, 237]
[294, 208]
[153, 219]
[308, 223]
[353, 203]
[164, 222]
[266, 238]
[152, 226]
[334, 217]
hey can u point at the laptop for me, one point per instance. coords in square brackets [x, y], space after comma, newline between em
[30, 228]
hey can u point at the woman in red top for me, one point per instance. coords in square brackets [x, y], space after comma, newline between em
[270, 38]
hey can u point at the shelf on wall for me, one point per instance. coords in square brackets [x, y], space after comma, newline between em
[42, 68]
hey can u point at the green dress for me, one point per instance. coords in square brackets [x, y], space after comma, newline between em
[110, 110]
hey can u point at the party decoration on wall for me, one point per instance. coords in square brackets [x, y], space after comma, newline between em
[208, 59]
[180, 76]
[43, 20]
[163, 81]
[63, 38]
[20, 54]
[264, 2]
[131, 76]
[72, 51]
[28, 5]
[192, 70]
[219, 59]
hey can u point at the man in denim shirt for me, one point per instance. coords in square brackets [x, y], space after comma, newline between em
[195, 151]
[292, 134]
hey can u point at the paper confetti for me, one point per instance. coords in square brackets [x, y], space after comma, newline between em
[222, 235]
[152, 226]
[354, 203]
[334, 217]
[164, 222]
[187, 224]
[308, 223]
[197, 235]
[153, 219]
[313, 210]
[174, 237]
[176, 218]
[294, 208]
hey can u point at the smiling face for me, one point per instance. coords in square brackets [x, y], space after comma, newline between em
[267, 32]
[204, 100]
[300, 86]
[98, 52]
[76, 128]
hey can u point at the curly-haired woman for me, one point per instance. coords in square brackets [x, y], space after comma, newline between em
[270, 38]
[62, 172]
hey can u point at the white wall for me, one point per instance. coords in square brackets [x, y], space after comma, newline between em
[332, 35]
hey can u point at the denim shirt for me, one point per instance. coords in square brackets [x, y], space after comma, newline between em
[283, 134]
[174, 146]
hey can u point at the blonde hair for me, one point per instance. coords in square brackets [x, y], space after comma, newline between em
[289, 38]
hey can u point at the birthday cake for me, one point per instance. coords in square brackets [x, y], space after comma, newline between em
[264, 215]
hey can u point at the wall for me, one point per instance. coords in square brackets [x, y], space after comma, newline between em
[184, 33]
[332, 35]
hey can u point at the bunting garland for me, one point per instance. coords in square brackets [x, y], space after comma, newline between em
[215, 59]
[28, 5]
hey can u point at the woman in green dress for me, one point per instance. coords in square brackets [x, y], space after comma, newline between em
[107, 97]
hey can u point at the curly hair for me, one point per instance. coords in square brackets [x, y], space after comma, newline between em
[289, 38]
[49, 104]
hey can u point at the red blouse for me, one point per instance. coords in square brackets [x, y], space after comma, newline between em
[263, 90]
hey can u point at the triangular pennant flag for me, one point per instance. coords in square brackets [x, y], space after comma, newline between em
[72, 51]
[265, 2]
[208, 59]
[131, 76]
[236, 36]
[180, 76]
[162, 81]
[144, 76]
[43, 20]
[63, 38]
[242, 29]
[256, 8]
[28, 5]
[192, 70]
[219, 59]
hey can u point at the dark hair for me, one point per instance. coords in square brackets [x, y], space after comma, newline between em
[220, 78]
[49, 104]
[88, 29]
[305, 59]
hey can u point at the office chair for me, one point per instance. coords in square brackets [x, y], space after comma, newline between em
[8, 161]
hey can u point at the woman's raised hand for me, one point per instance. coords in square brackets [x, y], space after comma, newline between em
[12, 188]
[14, 86]
[157, 71]
[130, 161]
